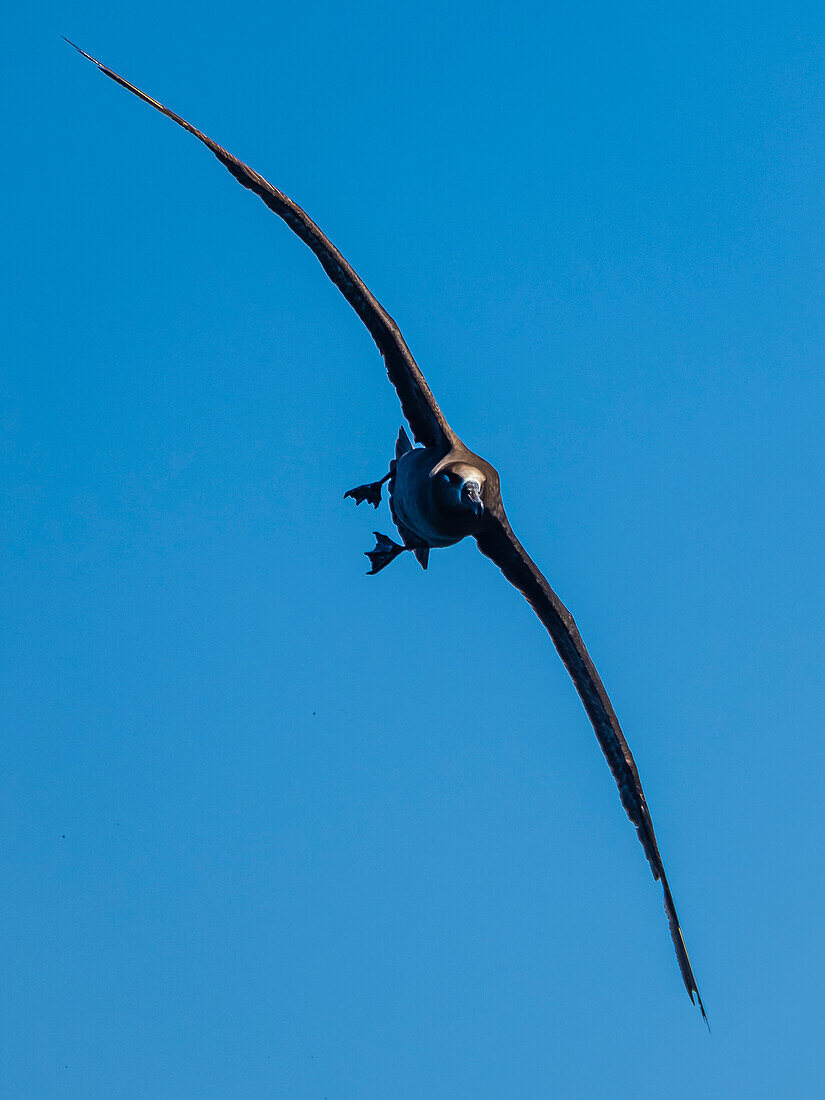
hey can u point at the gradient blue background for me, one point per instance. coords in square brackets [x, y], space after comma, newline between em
[271, 828]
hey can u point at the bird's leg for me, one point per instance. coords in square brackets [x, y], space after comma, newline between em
[384, 552]
[371, 492]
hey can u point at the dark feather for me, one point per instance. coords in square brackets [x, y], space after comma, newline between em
[497, 541]
[500, 544]
[417, 402]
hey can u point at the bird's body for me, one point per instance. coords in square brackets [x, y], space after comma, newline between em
[420, 483]
[440, 492]
[412, 501]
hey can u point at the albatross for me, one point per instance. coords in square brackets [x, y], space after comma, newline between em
[440, 492]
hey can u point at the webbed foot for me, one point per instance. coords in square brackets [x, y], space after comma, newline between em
[371, 492]
[384, 552]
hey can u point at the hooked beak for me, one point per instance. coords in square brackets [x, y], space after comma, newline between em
[472, 490]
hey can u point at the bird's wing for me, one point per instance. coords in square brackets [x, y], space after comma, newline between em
[501, 545]
[417, 402]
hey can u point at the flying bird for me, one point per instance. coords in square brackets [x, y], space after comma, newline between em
[440, 492]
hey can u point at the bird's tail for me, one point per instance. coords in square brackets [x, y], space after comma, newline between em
[402, 444]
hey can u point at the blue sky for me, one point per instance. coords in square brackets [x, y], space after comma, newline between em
[275, 828]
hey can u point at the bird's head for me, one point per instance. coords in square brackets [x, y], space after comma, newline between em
[458, 488]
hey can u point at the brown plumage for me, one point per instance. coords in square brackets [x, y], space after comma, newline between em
[441, 492]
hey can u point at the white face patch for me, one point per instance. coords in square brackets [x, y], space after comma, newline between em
[469, 473]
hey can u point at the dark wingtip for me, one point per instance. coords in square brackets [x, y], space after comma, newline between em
[93, 60]
[702, 1010]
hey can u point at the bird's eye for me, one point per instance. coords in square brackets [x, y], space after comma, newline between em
[445, 476]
